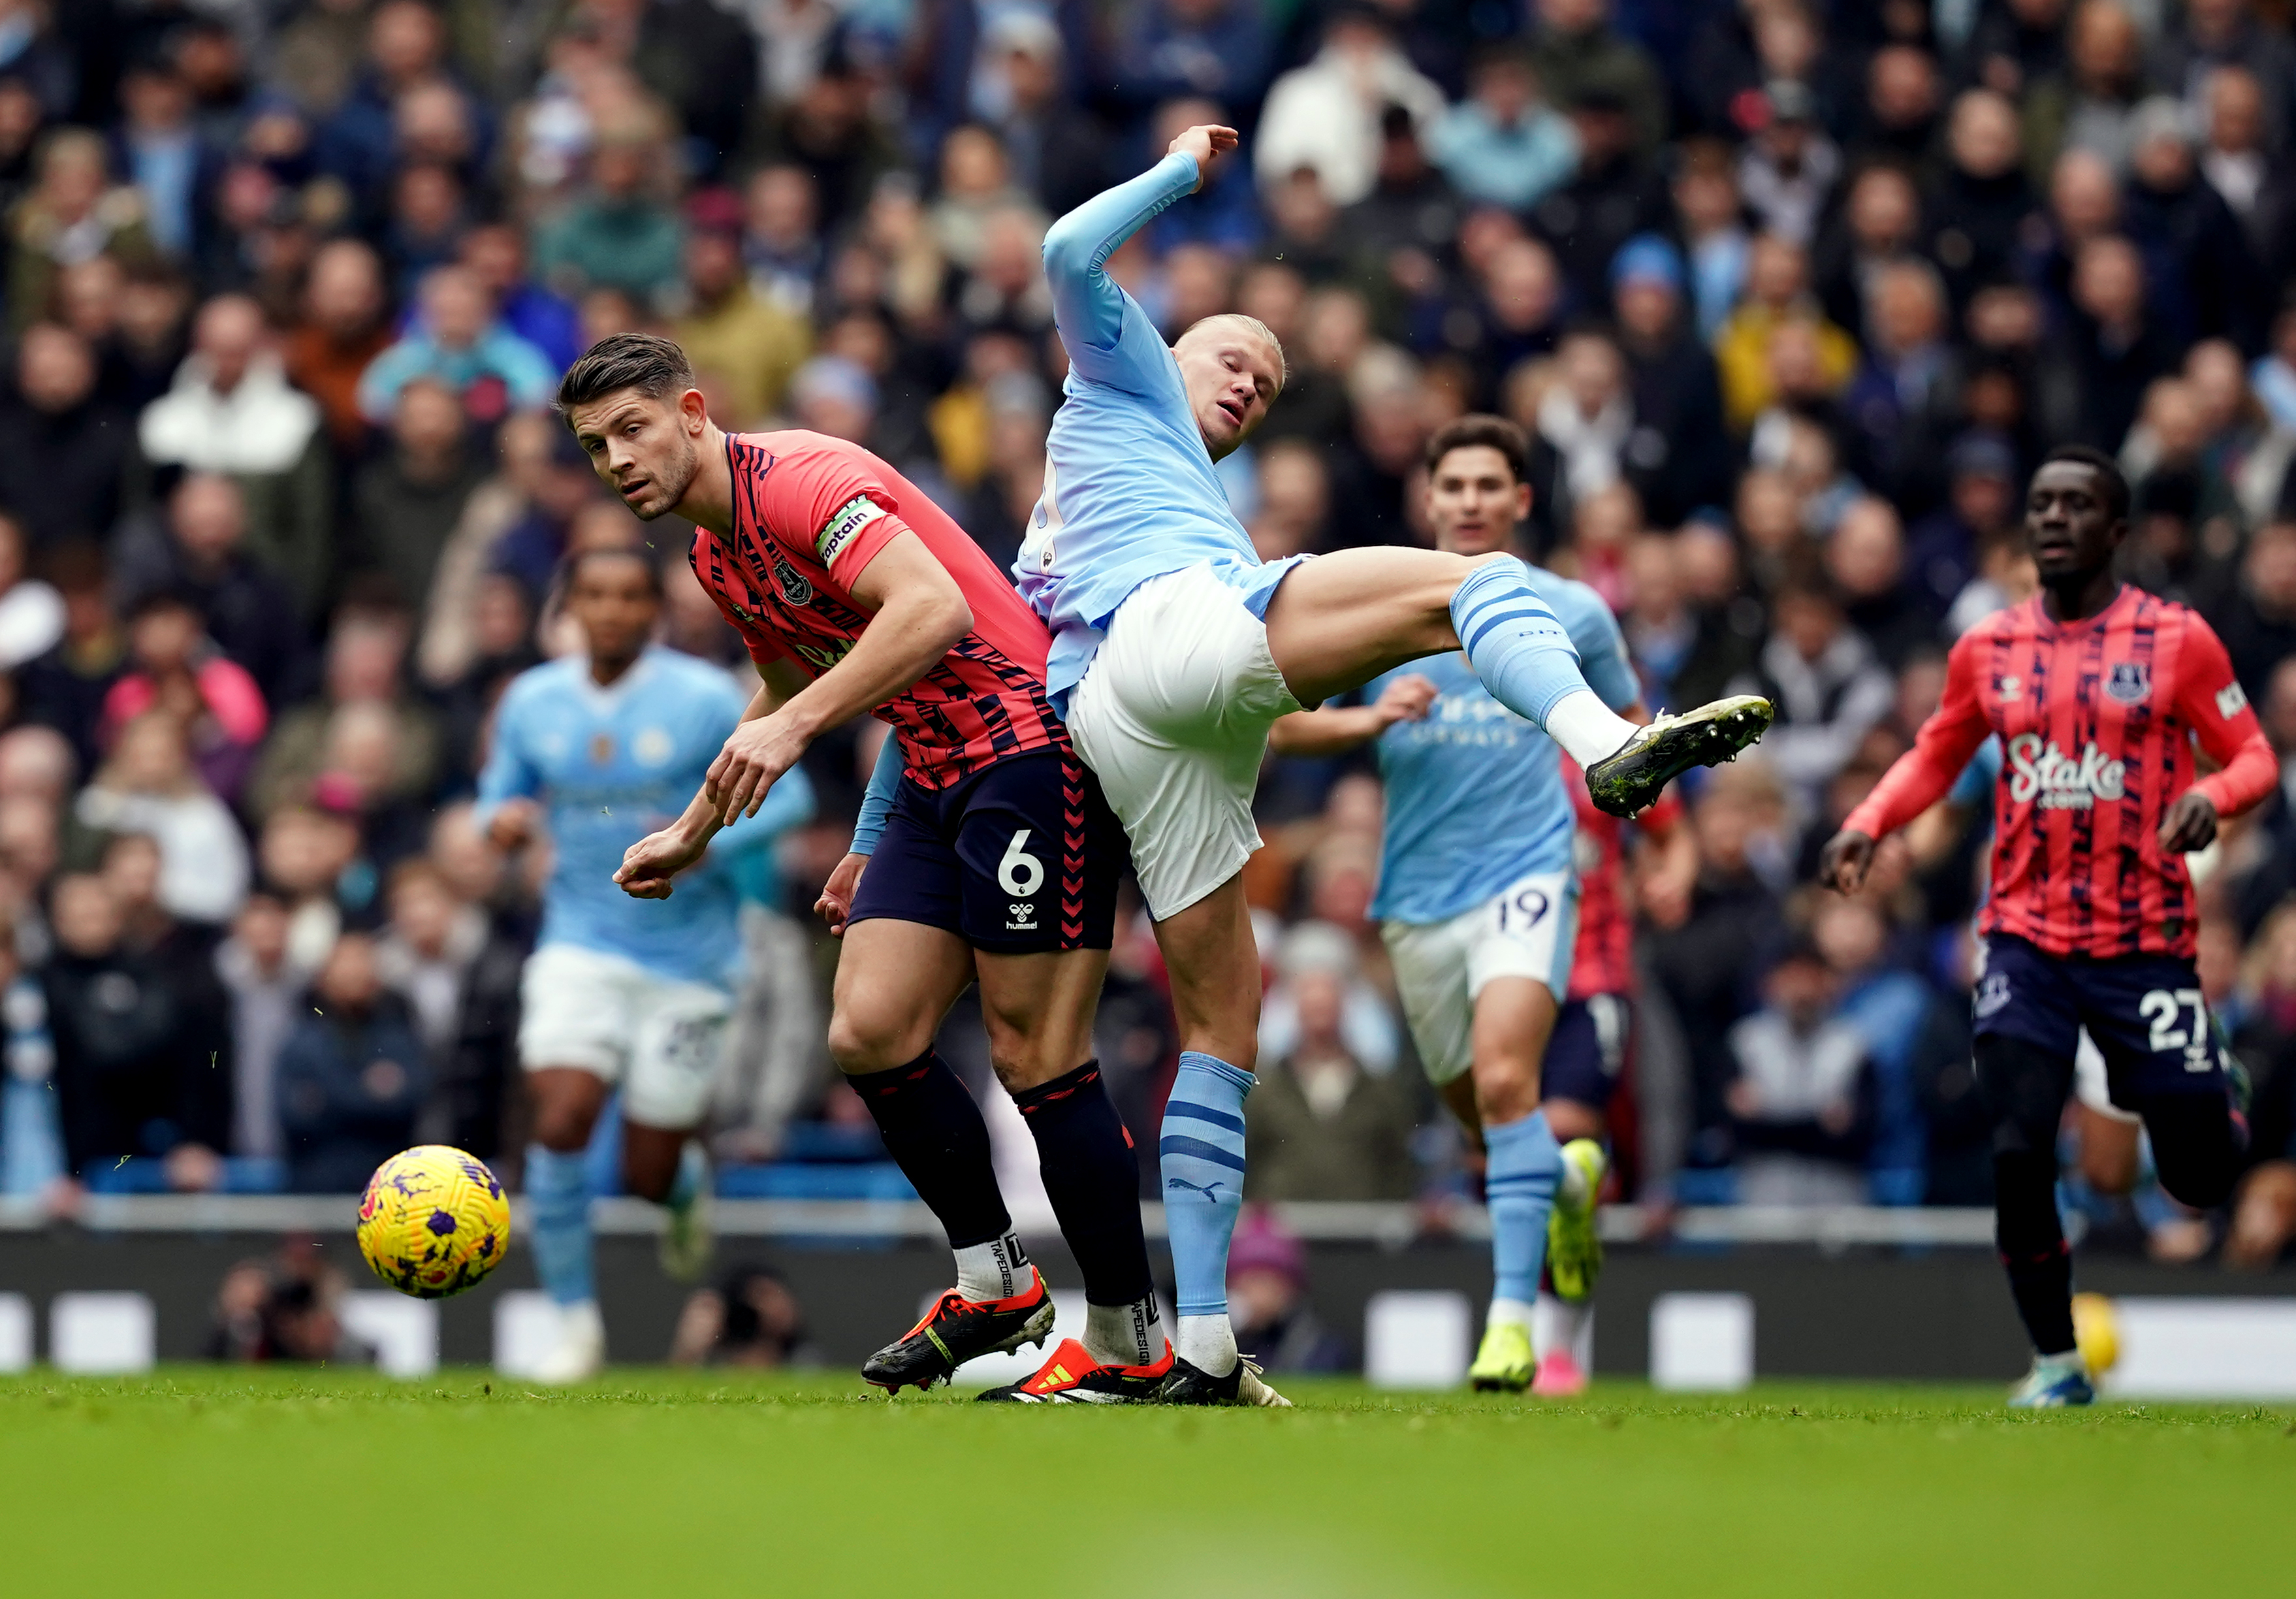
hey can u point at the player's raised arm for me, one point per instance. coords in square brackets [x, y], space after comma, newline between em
[1335, 729]
[1918, 779]
[1087, 305]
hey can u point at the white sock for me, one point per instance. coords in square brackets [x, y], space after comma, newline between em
[995, 1270]
[1560, 1326]
[1509, 1313]
[1208, 1343]
[2069, 1361]
[1587, 729]
[1125, 1334]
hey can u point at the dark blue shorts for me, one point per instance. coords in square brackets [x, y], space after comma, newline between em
[1020, 859]
[2144, 1011]
[1587, 1050]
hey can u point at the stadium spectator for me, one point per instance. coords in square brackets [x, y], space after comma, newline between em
[266, 991]
[132, 1081]
[1267, 1292]
[461, 342]
[619, 234]
[351, 1076]
[749, 346]
[1801, 1101]
[460, 980]
[61, 475]
[1321, 1127]
[341, 330]
[1325, 116]
[404, 506]
[1503, 145]
[201, 557]
[749, 1319]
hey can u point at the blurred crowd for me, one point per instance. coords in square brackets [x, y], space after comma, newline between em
[1790, 296]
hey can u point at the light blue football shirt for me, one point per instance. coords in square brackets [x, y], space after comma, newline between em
[1475, 800]
[1130, 491]
[611, 765]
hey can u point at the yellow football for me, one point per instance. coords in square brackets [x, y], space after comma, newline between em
[2096, 1331]
[432, 1221]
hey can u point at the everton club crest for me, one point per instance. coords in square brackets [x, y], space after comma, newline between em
[793, 583]
[2130, 682]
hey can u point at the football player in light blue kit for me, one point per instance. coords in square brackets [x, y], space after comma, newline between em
[599, 750]
[1173, 650]
[1478, 900]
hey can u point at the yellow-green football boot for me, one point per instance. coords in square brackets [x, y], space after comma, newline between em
[1574, 1249]
[1504, 1365]
[1629, 780]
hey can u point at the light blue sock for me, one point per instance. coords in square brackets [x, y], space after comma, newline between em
[693, 1171]
[1519, 1184]
[558, 1190]
[1200, 1155]
[1514, 640]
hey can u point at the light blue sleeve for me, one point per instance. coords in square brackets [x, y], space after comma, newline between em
[885, 783]
[1090, 307]
[1974, 788]
[509, 773]
[1603, 658]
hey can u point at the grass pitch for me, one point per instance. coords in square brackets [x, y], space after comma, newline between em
[231, 1481]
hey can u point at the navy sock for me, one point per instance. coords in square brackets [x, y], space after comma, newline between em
[1093, 1179]
[933, 1130]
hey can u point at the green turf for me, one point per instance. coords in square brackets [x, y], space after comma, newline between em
[231, 1481]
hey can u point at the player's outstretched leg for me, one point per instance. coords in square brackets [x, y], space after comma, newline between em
[895, 981]
[1339, 620]
[2025, 1087]
[567, 1102]
[1093, 1182]
[1574, 1259]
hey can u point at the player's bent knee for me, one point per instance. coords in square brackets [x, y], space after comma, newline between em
[862, 1041]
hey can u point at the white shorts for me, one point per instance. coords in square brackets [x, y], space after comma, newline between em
[1172, 715]
[662, 1039]
[1441, 967]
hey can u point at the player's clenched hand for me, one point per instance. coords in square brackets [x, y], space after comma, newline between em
[513, 825]
[1843, 863]
[2189, 825]
[1204, 142]
[648, 865]
[754, 758]
[1405, 699]
[836, 901]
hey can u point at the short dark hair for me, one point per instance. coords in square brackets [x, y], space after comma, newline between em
[576, 561]
[1481, 429]
[656, 367]
[2108, 471]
